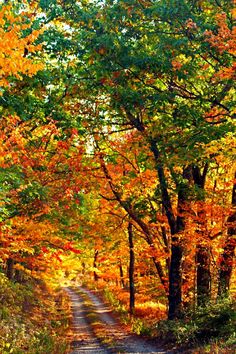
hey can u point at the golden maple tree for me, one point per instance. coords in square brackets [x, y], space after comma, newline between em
[16, 47]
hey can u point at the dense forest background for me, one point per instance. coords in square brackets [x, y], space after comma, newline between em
[117, 164]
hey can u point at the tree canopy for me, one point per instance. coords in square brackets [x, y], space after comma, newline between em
[117, 145]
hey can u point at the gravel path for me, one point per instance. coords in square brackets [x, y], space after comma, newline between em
[86, 342]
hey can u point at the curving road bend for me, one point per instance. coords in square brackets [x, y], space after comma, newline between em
[85, 339]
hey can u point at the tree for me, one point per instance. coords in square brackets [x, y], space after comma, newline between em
[126, 123]
[144, 72]
[17, 46]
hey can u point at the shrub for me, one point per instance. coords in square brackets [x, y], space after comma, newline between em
[29, 321]
[210, 323]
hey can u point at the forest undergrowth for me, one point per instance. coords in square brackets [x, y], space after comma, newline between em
[34, 319]
[210, 329]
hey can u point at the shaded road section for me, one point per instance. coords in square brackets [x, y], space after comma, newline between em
[86, 341]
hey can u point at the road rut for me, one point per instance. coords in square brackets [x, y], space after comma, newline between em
[86, 341]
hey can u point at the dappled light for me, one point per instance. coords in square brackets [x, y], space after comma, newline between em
[118, 176]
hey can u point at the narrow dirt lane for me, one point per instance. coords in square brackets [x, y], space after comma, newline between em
[122, 342]
[85, 341]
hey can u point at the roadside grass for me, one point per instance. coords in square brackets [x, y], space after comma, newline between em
[147, 311]
[100, 329]
[207, 330]
[33, 318]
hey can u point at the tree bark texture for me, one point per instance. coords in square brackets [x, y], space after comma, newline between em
[177, 225]
[95, 275]
[131, 269]
[203, 255]
[227, 257]
[121, 274]
[203, 275]
[10, 268]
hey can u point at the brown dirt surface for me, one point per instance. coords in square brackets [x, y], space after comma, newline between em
[119, 340]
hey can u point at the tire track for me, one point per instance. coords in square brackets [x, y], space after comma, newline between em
[85, 341]
[125, 342]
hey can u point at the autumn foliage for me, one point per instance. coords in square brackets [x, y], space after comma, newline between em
[117, 161]
[15, 48]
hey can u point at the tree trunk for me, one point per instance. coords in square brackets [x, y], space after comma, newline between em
[19, 276]
[203, 258]
[203, 275]
[95, 275]
[227, 257]
[203, 262]
[175, 277]
[175, 272]
[131, 269]
[10, 268]
[175, 280]
[121, 274]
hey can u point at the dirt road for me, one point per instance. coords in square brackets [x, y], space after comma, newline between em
[85, 339]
